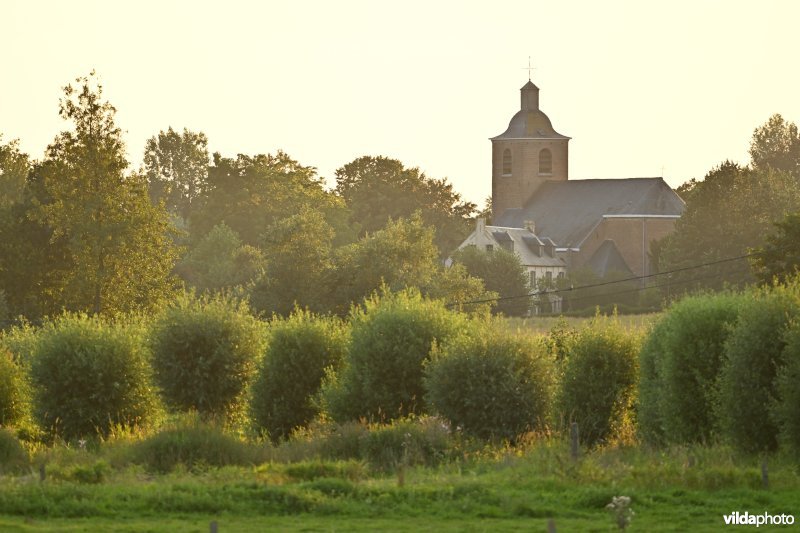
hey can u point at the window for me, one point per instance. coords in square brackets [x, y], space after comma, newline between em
[533, 278]
[561, 275]
[506, 162]
[545, 162]
[548, 276]
[489, 247]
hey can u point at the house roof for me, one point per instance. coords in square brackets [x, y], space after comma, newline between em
[608, 259]
[530, 249]
[567, 211]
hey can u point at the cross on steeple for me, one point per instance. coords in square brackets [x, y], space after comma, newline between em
[529, 68]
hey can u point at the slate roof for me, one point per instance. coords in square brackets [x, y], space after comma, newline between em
[608, 259]
[530, 124]
[567, 211]
[529, 248]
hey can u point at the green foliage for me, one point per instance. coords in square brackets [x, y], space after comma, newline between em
[502, 273]
[192, 443]
[299, 351]
[251, 192]
[391, 339]
[220, 261]
[776, 145]
[205, 352]
[4, 310]
[13, 456]
[380, 189]
[298, 255]
[599, 382]
[14, 167]
[176, 166]
[405, 442]
[491, 384]
[754, 355]
[15, 407]
[606, 292]
[726, 215]
[90, 376]
[778, 259]
[681, 362]
[120, 252]
[786, 409]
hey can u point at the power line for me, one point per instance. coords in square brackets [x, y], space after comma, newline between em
[604, 283]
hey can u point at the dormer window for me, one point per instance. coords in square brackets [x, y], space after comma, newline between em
[545, 162]
[506, 162]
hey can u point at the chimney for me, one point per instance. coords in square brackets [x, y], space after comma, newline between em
[480, 225]
[530, 225]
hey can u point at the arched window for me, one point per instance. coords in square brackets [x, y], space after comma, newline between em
[506, 162]
[545, 162]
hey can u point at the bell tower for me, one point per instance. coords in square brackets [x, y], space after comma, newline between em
[526, 155]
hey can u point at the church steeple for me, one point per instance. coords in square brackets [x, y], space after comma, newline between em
[530, 97]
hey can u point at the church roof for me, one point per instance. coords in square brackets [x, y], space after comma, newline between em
[567, 211]
[607, 259]
[530, 124]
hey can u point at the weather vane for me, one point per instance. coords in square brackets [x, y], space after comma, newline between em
[529, 68]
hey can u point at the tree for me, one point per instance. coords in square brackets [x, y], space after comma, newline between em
[220, 261]
[251, 192]
[779, 258]
[776, 145]
[378, 189]
[726, 215]
[502, 273]
[298, 255]
[176, 165]
[119, 246]
[14, 167]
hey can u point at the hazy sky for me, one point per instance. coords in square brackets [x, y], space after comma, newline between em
[639, 86]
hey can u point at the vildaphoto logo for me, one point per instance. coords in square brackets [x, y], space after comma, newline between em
[746, 519]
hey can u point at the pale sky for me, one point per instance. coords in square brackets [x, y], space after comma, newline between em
[639, 86]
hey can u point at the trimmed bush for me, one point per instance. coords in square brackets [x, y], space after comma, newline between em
[192, 443]
[15, 407]
[407, 442]
[681, 363]
[754, 355]
[491, 384]
[299, 351]
[90, 376]
[391, 338]
[13, 457]
[786, 411]
[205, 352]
[599, 381]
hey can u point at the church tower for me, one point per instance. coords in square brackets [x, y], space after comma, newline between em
[526, 155]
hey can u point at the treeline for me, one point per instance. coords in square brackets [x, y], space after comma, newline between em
[714, 368]
[81, 231]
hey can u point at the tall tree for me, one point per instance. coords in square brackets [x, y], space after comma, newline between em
[176, 165]
[14, 167]
[121, 253]
[776, 145]
[779, 257]
[249, 193]
[378, 189]
[726, 214]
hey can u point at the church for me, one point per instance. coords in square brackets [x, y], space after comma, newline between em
[555, 224]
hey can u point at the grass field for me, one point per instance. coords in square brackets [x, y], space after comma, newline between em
[495, 489]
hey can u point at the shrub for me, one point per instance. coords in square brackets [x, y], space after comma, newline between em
[405, 442]
[299, 351]
[753, 353]
[599, 382]
[490, 383]
[14, 392]
[13, 457]
[91, 375]
[193, 443]
[391, 337]
[204, 353]
[786, 411]
[680, 367]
